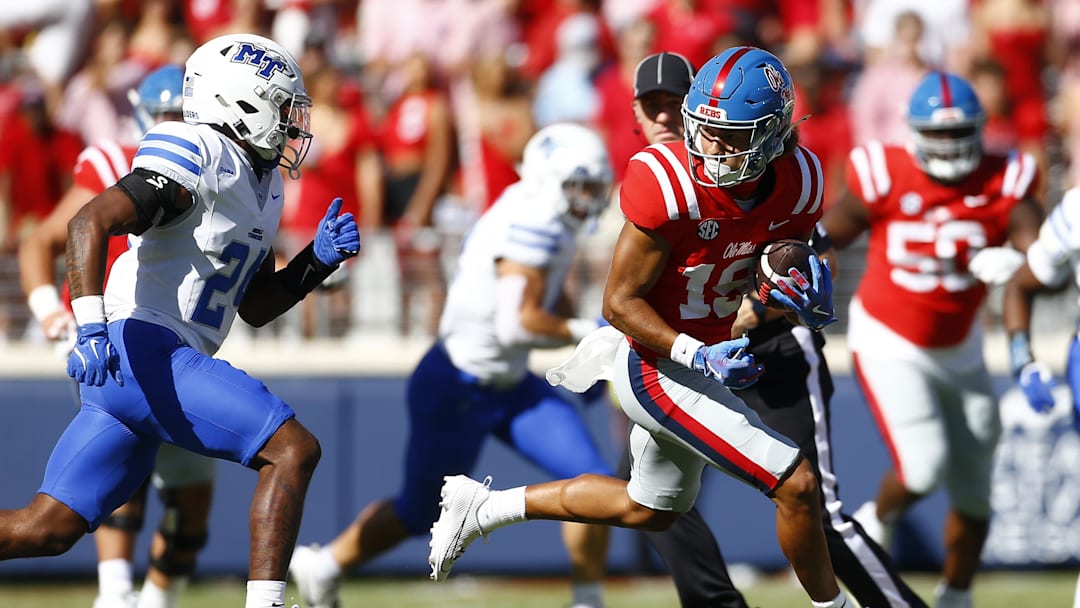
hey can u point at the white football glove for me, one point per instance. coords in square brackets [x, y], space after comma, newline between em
[995, 265]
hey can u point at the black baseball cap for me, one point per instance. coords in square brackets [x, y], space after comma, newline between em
[668, 72]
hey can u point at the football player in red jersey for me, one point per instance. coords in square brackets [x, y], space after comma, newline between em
[697, 212]
[913, 334]
[792, 397]
[185, 480]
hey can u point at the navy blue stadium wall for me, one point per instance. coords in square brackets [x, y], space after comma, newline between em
[361, 423]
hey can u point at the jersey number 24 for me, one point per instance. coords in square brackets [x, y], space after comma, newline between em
[225, 282]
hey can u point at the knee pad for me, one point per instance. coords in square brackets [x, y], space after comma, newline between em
[125, 522]
[131, 521]
[186, 545]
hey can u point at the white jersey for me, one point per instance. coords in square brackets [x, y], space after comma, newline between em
[517, 228]
[190, 274]
[1057, 250]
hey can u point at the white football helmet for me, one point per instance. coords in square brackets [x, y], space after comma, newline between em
[569, 163]
[252, 86]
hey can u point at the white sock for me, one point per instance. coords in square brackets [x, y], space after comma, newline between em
[265, 594]
[587, 595]
[152, 596]
[951, 597]
[326, 567]
[502, 508]
[839, 601]
[1076, 600]
[114, 577]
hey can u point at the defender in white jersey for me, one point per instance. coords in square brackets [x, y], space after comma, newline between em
[204, 198]
[506, 299]
[184, 480]
[1049, 262]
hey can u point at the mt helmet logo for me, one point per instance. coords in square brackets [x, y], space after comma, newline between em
[267, 63]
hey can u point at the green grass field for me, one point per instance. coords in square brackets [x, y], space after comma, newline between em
[994, 590]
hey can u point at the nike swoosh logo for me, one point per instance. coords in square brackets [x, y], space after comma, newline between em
[775, 225]
[275, 196]
[310, 269]
[817, 311]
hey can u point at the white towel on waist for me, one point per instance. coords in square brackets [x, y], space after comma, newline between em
[591, 361]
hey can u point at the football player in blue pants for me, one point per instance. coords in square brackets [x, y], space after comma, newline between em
[204, 199]
[473, 383]
[184, 479]
[1048, 264]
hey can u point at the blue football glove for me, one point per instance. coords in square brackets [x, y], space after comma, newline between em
[721, 359]
[744, 377]
[94, 358]
[1036, 382]
[811, 300]
[338, 238]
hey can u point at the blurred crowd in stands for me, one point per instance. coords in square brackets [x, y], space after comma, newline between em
[422, 107]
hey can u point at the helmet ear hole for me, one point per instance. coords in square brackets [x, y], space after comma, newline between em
[247, 107]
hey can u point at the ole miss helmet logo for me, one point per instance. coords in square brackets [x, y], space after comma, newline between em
[773, 77]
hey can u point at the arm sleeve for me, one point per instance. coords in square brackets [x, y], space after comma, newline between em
[1058, 242]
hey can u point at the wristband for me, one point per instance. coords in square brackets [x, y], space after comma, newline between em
[683, 349]
[1019, 352]
[579, 328]
[44, 300]
[304, 273]
[88, 309]
[820, 240]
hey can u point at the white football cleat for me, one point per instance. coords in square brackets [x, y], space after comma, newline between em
[879, 532]
[457, 526]
[317, 592]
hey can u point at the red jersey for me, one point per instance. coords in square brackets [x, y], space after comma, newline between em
[714, 242]
[923, 233]
[405, 127]
[100, 166]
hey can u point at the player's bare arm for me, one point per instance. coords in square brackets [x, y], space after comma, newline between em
[640, 256]
[846, 220]
[88, 232]
[1017, 299]
[1024, 222]
[532, 315]
[38, 252]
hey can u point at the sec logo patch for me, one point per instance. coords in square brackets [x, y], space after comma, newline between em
[708, 230]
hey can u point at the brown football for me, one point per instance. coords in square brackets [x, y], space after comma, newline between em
[776, 263]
